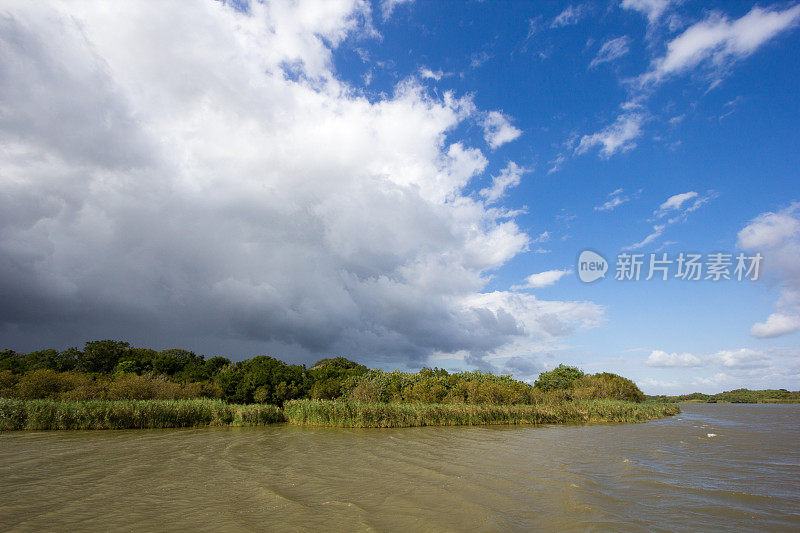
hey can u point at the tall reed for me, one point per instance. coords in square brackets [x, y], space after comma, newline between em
[360, 414]
[131, 414]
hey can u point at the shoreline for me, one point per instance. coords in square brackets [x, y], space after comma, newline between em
[43, 415]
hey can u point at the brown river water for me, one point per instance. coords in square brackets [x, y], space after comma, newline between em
[665, 475]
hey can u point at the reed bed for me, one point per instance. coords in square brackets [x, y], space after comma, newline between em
[131, 414]
[384, 415]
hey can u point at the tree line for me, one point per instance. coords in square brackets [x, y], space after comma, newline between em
[109, 369]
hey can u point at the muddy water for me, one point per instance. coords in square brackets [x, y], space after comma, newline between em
[662, 475]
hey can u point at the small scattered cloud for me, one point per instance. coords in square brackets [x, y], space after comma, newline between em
[615, 199]
[652, 9]
[508, 177]
[498, 130]
[677, 119]
[542, 279]
[618, 137]
[658, 230]
[611, 51]
[543, 237]
[678, 207]
[388, 7]
[478, 59]
[556, 163]
[572, 14]
[662, 359]
[674, 202]
[428, 74]
[717, 42]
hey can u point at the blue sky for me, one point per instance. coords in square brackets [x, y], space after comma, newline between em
[727, 130]
[379, 180]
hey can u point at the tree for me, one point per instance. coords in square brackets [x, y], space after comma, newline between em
[102, 356]
[561, 377]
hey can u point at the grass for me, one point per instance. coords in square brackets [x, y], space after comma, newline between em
[131, 414]
[139, 414]
[370, 415]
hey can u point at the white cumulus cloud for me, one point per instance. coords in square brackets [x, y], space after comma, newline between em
[660, 358]
[498, 130]
[776, 235]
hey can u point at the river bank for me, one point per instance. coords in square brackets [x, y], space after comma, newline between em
[141, 414]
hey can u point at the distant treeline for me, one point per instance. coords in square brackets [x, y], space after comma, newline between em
[113, 370]
[735, 396]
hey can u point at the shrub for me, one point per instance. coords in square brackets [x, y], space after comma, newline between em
[8, 384]
[606, 385]
[43, 383]
[561, 377]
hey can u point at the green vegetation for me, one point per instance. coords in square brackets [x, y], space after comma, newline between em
[360, 414]
[561, 377]
[110, 384]
[735, 396]
[113, 370]
[131, 414]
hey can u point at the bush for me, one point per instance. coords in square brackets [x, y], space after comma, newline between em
[561, 377]
[8, 384]
[606, 385]
[43, 383]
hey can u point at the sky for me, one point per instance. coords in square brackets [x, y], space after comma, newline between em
[408, 183]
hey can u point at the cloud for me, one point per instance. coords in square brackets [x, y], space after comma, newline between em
[428, 74]
[498, 130]
[615, 200]
[676, 206]
[542, 279]
[650, 384]
[658, 230]
[771, 230]
[717, 43]
[222, 189]
[652, 9]
[777, 324]
[478, 59]
[524, 367]
[743, 358]
[776, 235]
[388, 7]
[508, 177]
[611, 51]
[618, 137]
[543, 237]
[674, 202]
[572, 14]
[662, 359]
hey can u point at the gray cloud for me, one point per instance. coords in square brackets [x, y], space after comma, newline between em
[170, 186]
